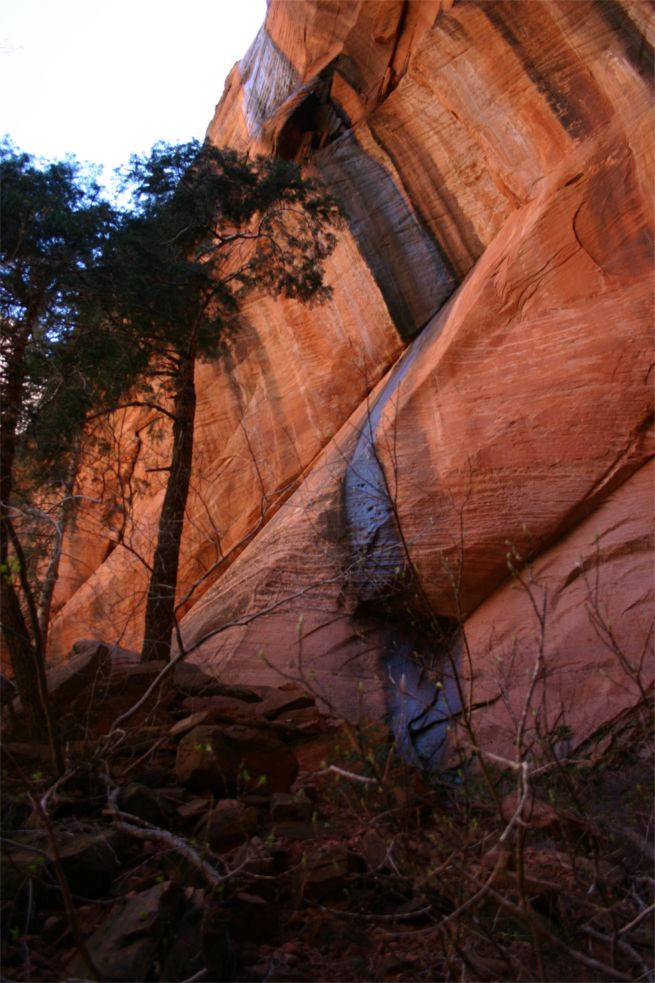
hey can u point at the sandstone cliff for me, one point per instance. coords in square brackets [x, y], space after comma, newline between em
[478, 391]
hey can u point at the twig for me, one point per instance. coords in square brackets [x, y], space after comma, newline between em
[71, 914]
[134, 403]
[146, 831]
[175, 843]
[525, 785]
[200, 975]
[402, 916]
[638, 920]
[53, 788]
[575, 954]
[623, 947]
[26, 846]
[346, 774]
[146, 754]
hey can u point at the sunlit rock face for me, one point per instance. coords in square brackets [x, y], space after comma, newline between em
[476, 396]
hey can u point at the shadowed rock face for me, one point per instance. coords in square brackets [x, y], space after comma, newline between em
[480, 384]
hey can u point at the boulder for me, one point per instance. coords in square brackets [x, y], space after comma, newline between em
[236, 758]
[569, 609]
[192, 681]
[135, 935]
[285, 806]
[86, 671]
[283, 700]
[91, 861]
[184, 957]
[204, 763]
[230, 824]
[223, 709]
[151, 804]
[323, 872]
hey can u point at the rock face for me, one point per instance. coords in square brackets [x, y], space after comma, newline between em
[465, 427]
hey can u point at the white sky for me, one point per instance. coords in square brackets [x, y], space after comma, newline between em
[102, 79]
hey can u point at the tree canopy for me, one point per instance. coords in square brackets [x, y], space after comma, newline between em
[206, 226]
[53, 227]
[54, 224]
[102, 306]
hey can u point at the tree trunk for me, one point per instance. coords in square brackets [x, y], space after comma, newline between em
[52, 573]
[25, 649]
[29, 673]
[160, 604]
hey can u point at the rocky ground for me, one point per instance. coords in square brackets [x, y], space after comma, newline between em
[226, 833]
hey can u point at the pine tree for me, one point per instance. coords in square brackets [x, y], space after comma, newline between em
[206, 227]
[53, 225]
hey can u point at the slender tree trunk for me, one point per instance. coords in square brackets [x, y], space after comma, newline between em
[24, 646]
[160, 604]
[29, 671]
[52, 573]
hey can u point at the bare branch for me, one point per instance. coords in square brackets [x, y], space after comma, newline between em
[135, 402]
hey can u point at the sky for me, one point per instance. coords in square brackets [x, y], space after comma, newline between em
[102, 79]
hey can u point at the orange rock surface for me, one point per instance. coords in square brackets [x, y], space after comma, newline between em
[481, 383]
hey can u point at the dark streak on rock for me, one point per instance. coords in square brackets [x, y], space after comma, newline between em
[451, 26]
[468, 235]
[567, 107]
[349, 71]
[399, 31]
[241, 347]
[637, 47]
[408, 265]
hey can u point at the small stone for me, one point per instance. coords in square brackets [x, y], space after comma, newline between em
[188, 723]
[205, 762]
[323, 871]
[192, 681]
[280, 701]
[307, 721]
[223, 709]
[91, 862]
[230, 824]
[285, 806]
[149, 804]
[190, 810]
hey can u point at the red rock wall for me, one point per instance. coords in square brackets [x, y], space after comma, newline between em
[500, 155]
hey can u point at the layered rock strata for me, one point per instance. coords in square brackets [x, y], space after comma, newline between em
[494, 162]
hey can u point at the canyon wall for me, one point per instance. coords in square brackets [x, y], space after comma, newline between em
[466, 427]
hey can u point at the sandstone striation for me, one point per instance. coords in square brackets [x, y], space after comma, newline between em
[479, 388]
